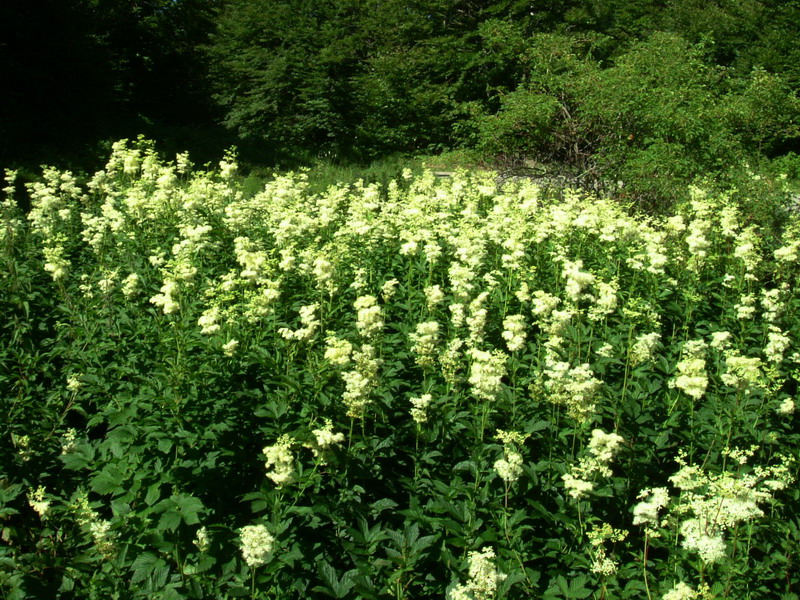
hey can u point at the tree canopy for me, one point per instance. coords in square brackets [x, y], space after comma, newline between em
[609, 87]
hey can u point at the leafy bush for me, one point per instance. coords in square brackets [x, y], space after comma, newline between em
[443, 387]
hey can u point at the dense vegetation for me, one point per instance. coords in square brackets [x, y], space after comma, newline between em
[646, 92]
[238, 380]
[442, 386]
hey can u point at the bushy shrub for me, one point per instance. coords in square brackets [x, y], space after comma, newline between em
[441, 389]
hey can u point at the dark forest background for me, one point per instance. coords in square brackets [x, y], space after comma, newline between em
[644, 91]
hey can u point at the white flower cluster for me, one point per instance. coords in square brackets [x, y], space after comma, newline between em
[360, 381]
[717, 502]
[38, 502]
[424, 341]
[681, 591]
[486, 373]
[166, 299]
[777, 344]
[692, 377]
[308, 318]
[419, 408]
[433, 296]
[576, 280]
[324, 438]
[644, 347]
[742, 372]
[572, 387]
[100, 529]
[201, 539]
[281, 460]
[483, 578]
[209, 320]
[514, 332]
[476, 321]
[509, 468]
[602, 563]
[337, 350]
[652, 501]
[601, 450]
[257, 544]
[370, 317]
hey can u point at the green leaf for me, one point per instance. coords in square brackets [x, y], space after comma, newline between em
[109, 480]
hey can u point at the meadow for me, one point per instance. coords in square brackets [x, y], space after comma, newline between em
[438, 388]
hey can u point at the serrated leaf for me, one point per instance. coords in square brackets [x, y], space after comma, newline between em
[143, 565]
[108, 481]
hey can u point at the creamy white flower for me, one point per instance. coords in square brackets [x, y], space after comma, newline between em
[280, 460]
[257, 544]
[419, 408]
[653, 500]
[514, 332]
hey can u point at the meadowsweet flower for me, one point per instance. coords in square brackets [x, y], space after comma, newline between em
[166, 299]
[424, 342]
[787, 407]
[419, 408]
[644, 347]
[369, 317]
[55, 262]
[741, 371]
[130, 285]
[788, 253]
[201, 540]
[308, 318]
[360, 382]
[461, 278]
[691, 377]
[602, 564]
[324, 438]
[720, 340]
[432, 252]
[710, 548]
[280, 460]
[576, 487]
[457, 315]
[486, 373]
[104, 538]
[229, 349]
[100, 529]
[337, 351]
[681, 591]
[576, 280]
[777, 343]
[772, 304]
[388, 289]
[605, 351]
[74, 383]
[606, 301]
[603, 446]
[37, 501]
[514, 332]
[509, 468]
[69, 441]
[483, 578]
[543, 304]
[433, 296]
[288, 262]
[451, 361]
[476, 321]
[252, 260]
[652, 501]
[257, 544]
[600, 452]
[746, 307]
[208, 321]
[409, 248]
[572, 387]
